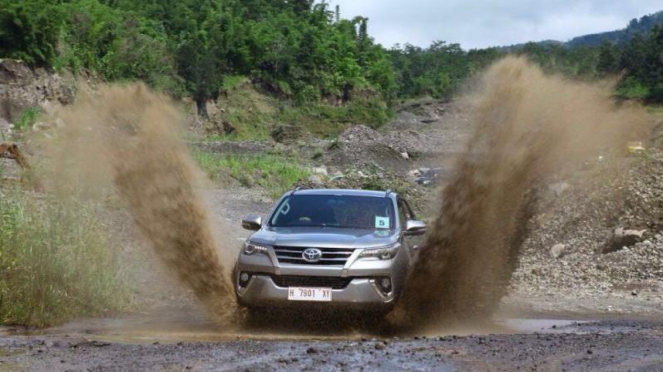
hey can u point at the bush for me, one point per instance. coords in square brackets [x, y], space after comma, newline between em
[56, 262]
[27, 119]
[275, 174]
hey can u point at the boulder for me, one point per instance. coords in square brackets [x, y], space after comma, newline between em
[320, 170]
[621, 239]
[287, 133]
[5, 128]
[228, 128]
[316, 180]
[559, 188]
[557, 250]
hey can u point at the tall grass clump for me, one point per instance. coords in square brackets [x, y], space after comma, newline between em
[27, 119]
[273, 173]
[56, 262]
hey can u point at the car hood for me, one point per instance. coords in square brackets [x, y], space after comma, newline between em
[324, 237]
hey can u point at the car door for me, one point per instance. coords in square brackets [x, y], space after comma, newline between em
[412, 243]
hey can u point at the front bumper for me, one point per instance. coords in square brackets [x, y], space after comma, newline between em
[359, 294]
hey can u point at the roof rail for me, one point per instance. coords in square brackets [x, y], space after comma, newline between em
[386, 193]
[295, 190]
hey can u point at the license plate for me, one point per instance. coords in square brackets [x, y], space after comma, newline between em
[309, 294]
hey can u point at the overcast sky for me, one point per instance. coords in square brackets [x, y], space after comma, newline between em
[483, 23]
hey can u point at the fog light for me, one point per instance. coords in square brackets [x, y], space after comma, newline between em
[244, 279]
[385, 284]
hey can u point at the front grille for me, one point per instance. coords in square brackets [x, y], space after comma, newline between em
[311, 281]
[330, 256]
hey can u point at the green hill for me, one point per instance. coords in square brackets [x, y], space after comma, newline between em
[640, 26]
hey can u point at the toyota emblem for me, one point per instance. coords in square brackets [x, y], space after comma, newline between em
[312, 255]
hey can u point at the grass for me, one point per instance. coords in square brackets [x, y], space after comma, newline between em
[27, 119]
[56, 262]
[232, 81]
[273, 173]
[254, 115]
[631, 89]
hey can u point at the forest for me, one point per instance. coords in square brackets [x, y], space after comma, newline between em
[299, 50]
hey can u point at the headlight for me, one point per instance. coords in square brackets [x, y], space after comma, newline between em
[384, 253]
[252, 248]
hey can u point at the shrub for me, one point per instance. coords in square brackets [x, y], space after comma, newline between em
[27, 119]
[275, 174]
[55, 262]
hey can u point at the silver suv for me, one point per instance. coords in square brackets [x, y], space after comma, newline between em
[345, 248]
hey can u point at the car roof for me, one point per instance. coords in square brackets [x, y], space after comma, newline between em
[344, 192]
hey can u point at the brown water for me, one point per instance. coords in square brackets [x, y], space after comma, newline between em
[127, 136]
[528, 129]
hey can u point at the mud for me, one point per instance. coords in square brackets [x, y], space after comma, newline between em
[128, 137]
[529, 345]
[528, 129]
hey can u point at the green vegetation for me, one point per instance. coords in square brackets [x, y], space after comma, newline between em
[55, 262]
[634, 54]
[297, 50]
[437, 71]
[275, 174]
[303, 63]
[27, 119]
[254, 115]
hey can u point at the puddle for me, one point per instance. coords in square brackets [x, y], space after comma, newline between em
[541, 325]
[187, 325]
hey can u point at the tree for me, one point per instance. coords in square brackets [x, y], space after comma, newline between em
[608, 60]
[29, 30]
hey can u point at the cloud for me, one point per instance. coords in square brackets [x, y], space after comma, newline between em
[483, 23]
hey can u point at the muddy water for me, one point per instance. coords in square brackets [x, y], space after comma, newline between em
[127, 136]
[528, 129]
[180, 325]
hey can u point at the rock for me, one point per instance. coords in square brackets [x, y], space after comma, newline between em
[287, 133]
[380, 346]
[22, 86]
[557, 250]
[559, 188]
[405, 155]
[315, 180]
[311, 350]
[228, 128]
[621, 239]
[5, 128]
[320, 170]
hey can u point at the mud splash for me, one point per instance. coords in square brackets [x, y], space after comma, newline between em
[528, 129]
[128, 137]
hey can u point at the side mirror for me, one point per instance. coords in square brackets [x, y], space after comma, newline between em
[413, 227]
[252, 222]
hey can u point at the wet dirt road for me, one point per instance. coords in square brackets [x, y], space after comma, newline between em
[185, 340]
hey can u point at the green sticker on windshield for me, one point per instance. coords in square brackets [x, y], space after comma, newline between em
[381, 222]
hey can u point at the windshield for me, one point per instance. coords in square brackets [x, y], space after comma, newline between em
[356, 212]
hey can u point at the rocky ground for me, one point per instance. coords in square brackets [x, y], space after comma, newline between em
[527, 346]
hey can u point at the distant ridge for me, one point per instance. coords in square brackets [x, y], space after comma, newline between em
[636, 26]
